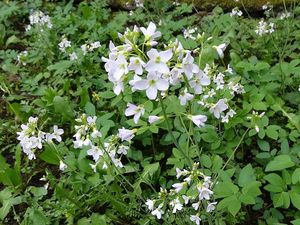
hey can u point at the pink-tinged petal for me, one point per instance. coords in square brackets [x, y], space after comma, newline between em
[166, 55]
[131, 109]
[141, 85]
[162, 85]
[151, 92]
[136, 118]
[151, 28]
[162, 67]
[152, 54]
[151, 66]
[144, 31]
[157, 34]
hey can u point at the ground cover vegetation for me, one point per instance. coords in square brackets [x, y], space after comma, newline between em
[159, 115]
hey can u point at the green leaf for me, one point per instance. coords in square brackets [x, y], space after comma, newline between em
[60, 67]
[295, 198]
[63, 107]
[49, 155]
[231, 203]
[280, 162]
[246, 176]
[281, 200]
[90, 109]
[296, 176]
[272, 133]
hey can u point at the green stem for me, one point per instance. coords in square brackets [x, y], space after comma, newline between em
[171, 133]
[232, 154]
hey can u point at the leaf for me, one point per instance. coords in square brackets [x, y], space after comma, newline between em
[231, 203]
[49, 155]
[90, 109]
[295, 198]
[280, 162]
[296, 176]
[63, 107]
[281, 199]
[60, 67]
[246, 176]
[272, 133]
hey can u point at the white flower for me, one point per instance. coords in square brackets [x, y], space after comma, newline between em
[151, 34]
[64, 44]
[211, 207]
[180, 173]
[123, 149]
[204, 192]
[196, 205]
[158, 61]
[186, 199]
[73, 56]
[200, 79]
[95, 152]
[176, 205]
[95, 45]
[219, 81]
[96, 133]
[158, 212]
[218, 108]
[94, 167]
[188, 33]
[57, 133]
[153, 119]
[62, 165]
[135, 111]
[236, 12]
[136, 64]
[178, 186]
[184, 97]
[220, 49]
[198, 120]
[125, 134]
[188, 65]
[196, 219]
[116, 68]
[150, 204]
[153, 83]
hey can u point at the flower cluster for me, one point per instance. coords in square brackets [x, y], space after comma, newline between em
[156, 71]
[87, 137]
[40, 19]
[90, 47]
[264, 28]
[189, 33]
[65, 46]
[193, 192]
[22, 57]
[236, 12]
[31, 138]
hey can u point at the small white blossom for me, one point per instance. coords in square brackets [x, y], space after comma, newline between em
[153, 119]
[218, 108]
[211, 207]
[73, 56]
[198, 120]
[220, 49]
[150, 204]
[196, 219]
[125, 134]
[158, 212]
[184, 97]
[178, 186]
[176, 205]
[62, 166]
[64, 44]
[135, 111]
[150, 34]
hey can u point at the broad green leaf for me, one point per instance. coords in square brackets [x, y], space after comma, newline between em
[280, 162]
[246, 176]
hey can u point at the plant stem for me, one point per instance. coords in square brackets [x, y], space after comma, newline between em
[171, 133]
